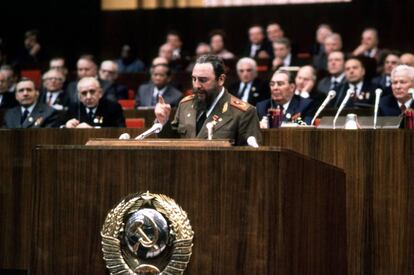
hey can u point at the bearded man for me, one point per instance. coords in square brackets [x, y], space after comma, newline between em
[210, 103]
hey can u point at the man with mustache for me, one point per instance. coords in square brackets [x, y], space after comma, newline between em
[231, 118]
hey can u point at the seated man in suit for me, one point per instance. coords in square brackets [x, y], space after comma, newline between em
[283, 57]
[369, 45]
[305, 85]
[364, 95]
[274, 31]
[52, 93]
[282, 96]
[147, 94]
[259, 46]
[336, 69]
[249, 88]
[93, 110]
[229, 117]
[332, 42]
[383, 81]
[7, 99]
[402, 79]
[30, 113]
[113, 91]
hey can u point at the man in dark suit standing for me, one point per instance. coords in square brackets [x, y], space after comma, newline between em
[402, 78]
[259, 46]
[249, 88]
[282, 88]
[93, 110]
[336, 78]
[29, 113]
[7, 99]
[147, 94]
[52, 93]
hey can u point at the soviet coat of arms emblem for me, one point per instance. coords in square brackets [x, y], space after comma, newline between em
[147, 234]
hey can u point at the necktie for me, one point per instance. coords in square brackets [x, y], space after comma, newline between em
[49, 99]
[355, 96]
[200, 121]
[90, 114]
[334, 85]
[154, 99]
[241, 92]
[403, 108]
[24, 116]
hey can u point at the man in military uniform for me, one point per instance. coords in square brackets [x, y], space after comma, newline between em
[230, 117]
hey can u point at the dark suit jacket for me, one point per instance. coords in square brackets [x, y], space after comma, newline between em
[108, 114]
[62, 99]
[8, 101]
[265, 46]
[324, 85]
[388, 106]
[298, 104]
[114, 91]
[381, 83]
[145, 92]
[368, 95]
[42, 116]
[294, 61]
[259, 91]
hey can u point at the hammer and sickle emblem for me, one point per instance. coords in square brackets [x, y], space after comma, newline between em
[144, 240]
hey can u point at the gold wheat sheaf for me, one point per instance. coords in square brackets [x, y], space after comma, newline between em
[182, 245]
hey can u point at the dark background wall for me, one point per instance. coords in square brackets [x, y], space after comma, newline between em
[75, 27]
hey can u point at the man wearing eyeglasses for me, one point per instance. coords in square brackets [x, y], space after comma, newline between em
[93, 110]
[249, 88]
[52, 93]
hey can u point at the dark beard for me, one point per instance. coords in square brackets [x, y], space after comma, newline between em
[204, 105]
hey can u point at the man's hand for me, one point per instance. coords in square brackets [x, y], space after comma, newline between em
[84, 125]
[277, 62]
[359, 50]
[162, 111]
[73, 123]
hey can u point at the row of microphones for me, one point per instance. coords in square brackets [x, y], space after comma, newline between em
[155, 129]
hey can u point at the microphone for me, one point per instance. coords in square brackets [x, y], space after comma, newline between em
[125, 136]
[331, 95]
[155, 129]
[349, 93]
[252, 142]
[378, 93]
[209, 127]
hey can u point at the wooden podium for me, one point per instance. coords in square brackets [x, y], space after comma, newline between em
[253, 211]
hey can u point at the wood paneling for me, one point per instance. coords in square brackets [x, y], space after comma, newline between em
[253, 211]
[380, 169]
[16, 184]
[378, 165]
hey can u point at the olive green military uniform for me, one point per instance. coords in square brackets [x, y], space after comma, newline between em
[232, 119]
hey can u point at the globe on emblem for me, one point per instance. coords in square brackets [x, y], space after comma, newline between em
[146, 233]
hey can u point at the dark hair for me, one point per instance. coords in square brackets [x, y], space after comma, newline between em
[215, 61]
[290, 75]
[89, 57]
[220, 32]
[357, 58]
[25, 79]
[284, 41]
[162, 65]
[29, 33]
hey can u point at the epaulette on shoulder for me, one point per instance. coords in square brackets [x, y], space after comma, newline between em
[239, 104]
[187, 98]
